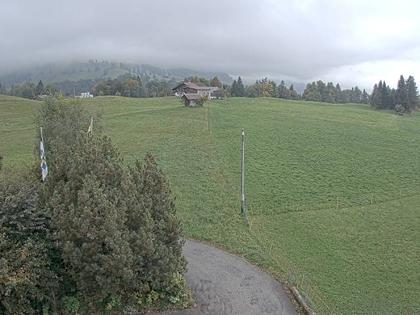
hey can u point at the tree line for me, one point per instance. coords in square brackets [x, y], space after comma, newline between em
[332, 93]
[316, 91]
[133, 86]
[263, 88]
[127, 85]
[31, 90]
[402, 99]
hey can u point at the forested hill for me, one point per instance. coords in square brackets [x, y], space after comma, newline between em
[94, 70]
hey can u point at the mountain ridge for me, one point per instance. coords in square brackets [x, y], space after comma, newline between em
[93, 70]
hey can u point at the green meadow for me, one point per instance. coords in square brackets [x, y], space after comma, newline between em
[333, 190]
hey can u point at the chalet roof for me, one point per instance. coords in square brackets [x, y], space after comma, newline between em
[191, 96]
[194, 86]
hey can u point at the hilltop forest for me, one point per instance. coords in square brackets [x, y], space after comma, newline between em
[104, 78]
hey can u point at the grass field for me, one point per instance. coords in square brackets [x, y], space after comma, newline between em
[333, 190]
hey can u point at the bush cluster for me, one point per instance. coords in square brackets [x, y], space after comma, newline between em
[97, 237]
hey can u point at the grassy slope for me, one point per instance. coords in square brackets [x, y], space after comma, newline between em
[17, 130]
[332, 190]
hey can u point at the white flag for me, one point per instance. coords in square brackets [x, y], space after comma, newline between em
[44, 169]
[90, 129]
[44, 166]
[41, 150]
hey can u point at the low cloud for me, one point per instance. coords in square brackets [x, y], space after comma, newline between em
[351, 42]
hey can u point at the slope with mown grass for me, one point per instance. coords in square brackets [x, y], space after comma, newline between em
[332, 189]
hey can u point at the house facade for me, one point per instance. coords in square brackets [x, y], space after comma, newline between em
[85, 95]
[192, 88]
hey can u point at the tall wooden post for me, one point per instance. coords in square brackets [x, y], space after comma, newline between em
[242, 171]
[243, 198]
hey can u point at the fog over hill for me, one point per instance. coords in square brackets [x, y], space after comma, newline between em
[352, 42]
[93, 70]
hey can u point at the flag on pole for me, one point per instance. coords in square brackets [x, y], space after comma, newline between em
[41, 149]
[90, 129]
[44, 170]
[44, 166]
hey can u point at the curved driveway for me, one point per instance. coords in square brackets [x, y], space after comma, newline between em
[226, 284]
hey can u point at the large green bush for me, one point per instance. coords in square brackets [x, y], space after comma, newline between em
[111, 241]
[26, 278]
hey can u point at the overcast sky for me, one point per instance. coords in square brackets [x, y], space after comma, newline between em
[353, 42]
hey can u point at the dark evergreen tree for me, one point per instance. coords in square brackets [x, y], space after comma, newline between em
[273, 89]
[292, 93]
[346, 95]
[39, 90]
[251, 91]
[412, 93]
[162, 259]
[365, 97]
[216, 82]
[282, 90]
[322, 90]
[338, 94]
[240, 87]
[312, 93]
[380, 101]
[330, 93]
[386, 100]
[401, 96]
[392, 93]
[375, 98]
[115, 230]
[356, 95]
[234, 89]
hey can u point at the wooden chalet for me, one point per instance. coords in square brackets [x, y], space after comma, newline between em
[192, 99]
[192, 88]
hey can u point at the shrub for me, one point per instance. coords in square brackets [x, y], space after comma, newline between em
[400, 109]
[96, 237]
[88, 215]
[21, 268]
[26, 279]
[151, 211]
[202, 100]
[116, 228]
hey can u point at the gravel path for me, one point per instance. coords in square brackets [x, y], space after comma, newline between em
[226, 284]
